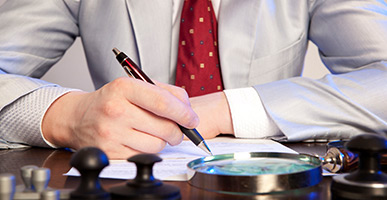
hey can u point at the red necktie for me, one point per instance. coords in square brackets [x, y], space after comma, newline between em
[198, 69]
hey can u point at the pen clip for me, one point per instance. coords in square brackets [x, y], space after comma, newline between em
[128, 71]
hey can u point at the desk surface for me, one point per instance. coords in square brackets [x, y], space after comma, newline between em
[58, 162]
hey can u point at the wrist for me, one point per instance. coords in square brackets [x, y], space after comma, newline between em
[214, 114]
[225, 124]
[59, 119]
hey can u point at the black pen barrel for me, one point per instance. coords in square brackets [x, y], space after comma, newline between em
[192, 134]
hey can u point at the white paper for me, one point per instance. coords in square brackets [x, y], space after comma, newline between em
[175, 158]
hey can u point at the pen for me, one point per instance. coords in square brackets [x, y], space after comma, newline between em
[133, 70]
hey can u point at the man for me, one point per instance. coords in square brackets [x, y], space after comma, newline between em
[261, 49]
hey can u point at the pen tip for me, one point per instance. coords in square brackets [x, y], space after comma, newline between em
[116, 51]
[205, 148]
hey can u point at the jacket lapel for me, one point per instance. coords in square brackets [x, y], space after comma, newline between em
[154, 47]
[237, 24]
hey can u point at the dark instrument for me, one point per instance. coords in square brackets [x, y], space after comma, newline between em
[338, 159]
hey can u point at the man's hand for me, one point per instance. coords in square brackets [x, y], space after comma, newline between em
[125, 117]
[214, 114]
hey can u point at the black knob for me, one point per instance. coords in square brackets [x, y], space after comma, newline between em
[369, 148]
[144, 164]
[144, 185]
[89, 161]
[368, 181]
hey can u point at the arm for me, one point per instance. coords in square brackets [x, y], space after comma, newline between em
[351, 36]
[34, 36]
[236, 111]
[20, 121]
[122, 118]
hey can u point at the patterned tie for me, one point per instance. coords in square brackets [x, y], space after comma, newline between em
[198, 69]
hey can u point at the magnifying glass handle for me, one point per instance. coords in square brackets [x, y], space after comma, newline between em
[339, 159]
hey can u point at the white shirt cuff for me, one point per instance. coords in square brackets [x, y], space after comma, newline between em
[249, 117]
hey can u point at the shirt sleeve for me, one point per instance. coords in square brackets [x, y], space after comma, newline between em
[249, 117]
[20, 121]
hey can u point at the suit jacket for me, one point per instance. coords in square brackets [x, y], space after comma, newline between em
[262, 43]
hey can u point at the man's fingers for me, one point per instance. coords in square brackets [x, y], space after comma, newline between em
[128, 116]
[158, 101]
[178, 92]
[159, 127]
[136, 140]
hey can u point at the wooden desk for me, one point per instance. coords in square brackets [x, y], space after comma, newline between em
[58, 162]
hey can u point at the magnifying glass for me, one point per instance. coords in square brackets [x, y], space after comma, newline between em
[253, 172]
